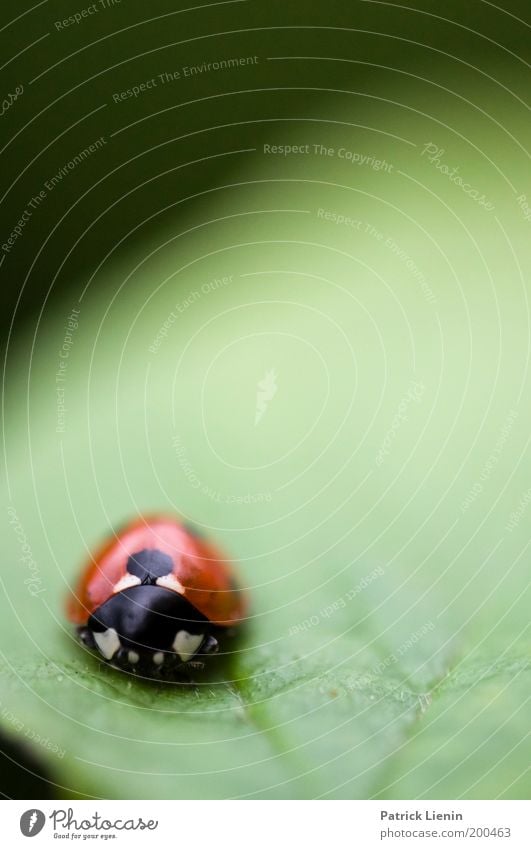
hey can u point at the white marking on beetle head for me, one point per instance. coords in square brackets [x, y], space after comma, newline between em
[108, 642]
[133, 657]
[171, 583]
[158, 658]
[186, 644]
[125, 582]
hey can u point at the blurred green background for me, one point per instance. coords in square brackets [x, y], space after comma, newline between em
[319, 354]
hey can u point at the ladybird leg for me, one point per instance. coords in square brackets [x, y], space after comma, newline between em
[121, 660]
[210, 646]
[182, 674]
[85, 636]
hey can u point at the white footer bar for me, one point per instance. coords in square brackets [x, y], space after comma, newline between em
[269, 824]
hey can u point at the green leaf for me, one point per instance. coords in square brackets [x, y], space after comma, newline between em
[286, 382]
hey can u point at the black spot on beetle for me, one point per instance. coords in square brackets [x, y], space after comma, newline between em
[149, 564]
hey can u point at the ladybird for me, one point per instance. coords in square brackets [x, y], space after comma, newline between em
[156, 597]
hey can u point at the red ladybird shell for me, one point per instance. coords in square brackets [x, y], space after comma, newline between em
[201, 574]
